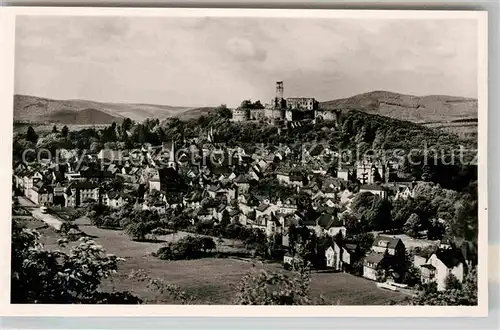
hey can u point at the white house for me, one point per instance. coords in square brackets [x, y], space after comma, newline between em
[442, 263]
[333, 256]
[338, 255]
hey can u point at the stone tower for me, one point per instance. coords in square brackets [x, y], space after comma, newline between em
[278, 100]
[279, 90]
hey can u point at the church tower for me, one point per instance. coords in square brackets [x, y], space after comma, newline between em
[172, 162]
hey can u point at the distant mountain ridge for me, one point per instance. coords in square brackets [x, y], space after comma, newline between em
[449, 113]
[418, 109]
[38, 109]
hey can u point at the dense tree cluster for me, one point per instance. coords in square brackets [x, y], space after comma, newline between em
[189, 247]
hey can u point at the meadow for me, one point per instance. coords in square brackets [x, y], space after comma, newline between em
[208, 280]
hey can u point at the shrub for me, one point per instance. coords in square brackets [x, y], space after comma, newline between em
[189, 247]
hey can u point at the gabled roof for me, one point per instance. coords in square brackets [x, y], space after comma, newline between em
[326, 220]
[262, 207]
[374, 258]
[234, 212]
[351, 247]
[213, 188]
[450, 257]
[42, 188]
[391, 242]
[241, 179]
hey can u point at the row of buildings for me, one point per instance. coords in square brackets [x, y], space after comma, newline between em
[282, 109]
[387, 253]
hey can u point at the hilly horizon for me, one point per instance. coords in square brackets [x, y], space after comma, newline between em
[449, 113]
[452, 114]
[39, 109]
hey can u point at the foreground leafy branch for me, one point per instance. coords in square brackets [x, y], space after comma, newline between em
[41, 276]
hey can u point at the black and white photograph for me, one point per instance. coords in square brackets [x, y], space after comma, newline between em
[236, 158]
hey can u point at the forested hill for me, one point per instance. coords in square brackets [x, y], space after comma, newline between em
[354, 128]
[418, 109]
[356, 132]
[448, 113]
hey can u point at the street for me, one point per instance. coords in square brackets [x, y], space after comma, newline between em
[49, 219]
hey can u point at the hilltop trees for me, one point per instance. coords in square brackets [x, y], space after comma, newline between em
[223, 111]
[31, 135]
[65, 131]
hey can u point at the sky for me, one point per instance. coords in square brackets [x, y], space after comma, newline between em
[209, 61]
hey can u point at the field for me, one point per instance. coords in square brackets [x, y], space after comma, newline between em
[210, 280]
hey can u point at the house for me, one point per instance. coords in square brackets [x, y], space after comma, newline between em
[297, 180]
[115, 200]
[268, 223]
[79, 192]
[441, 264]
[59, 192]
[263, 209]
[193, 199]
[255, 174]
[29, 180]
[368, 172]
[72, 176]
[42, 194]
[394, 246]
[344, 173]
[283, 177]
[234, 215]
[110, 155]
[333, 255]
[159, 206]
[346, 198]
[247, 203]
[374, 189]
[19, 173]
[371, 264]
[243, 184]
[289, 206]
[312, 188]
[341, 255]
[327, 223]
[203, 214]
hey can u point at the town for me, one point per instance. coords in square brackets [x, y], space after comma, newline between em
[294, 204]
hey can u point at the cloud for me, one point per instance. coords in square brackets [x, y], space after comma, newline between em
[244, 49]
[207, 61]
